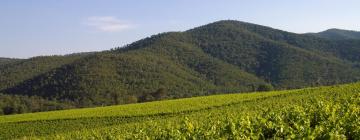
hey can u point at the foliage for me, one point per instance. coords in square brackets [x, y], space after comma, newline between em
[319, 120]
[20, 70]
[17, 104]
[286, 60]
[265, 87]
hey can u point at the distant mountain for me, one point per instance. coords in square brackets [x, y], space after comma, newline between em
[338, 34]
[221, 57]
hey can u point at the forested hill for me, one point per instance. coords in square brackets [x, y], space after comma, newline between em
[221, 57]
[338, 34]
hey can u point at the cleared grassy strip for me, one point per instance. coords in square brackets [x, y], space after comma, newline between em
[142, 109]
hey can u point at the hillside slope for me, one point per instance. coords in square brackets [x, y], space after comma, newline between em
[285, 59]
[221, 57]
[111, 78]
[21, 70]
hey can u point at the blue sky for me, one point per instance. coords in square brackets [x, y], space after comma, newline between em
[46, 27]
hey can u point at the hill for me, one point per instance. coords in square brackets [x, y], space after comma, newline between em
[338, 34]
[221, 57]
[314, 113]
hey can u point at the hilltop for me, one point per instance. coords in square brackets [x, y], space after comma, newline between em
[338, 34]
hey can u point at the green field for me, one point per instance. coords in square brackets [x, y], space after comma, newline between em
[312, 113]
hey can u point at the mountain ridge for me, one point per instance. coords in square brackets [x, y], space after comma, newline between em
[222, 57]
[338, 34]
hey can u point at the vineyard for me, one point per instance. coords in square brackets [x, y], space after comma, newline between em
[313, 113]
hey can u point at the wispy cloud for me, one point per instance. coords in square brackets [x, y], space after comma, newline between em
[108, 23]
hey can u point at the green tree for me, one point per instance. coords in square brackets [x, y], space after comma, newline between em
[265, 87]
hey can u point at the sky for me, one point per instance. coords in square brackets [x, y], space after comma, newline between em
[31, 28]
